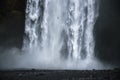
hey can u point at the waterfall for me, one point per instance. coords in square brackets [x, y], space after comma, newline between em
[55, 25]
[82, 17]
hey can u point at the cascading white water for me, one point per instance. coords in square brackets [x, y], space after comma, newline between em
[52, 23]
[82, 16]
[33, 20]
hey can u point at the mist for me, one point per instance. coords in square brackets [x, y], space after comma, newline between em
[14, 58]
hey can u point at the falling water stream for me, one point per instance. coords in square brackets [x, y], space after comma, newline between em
[56, 25]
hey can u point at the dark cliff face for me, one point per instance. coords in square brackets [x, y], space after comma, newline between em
[12, 19]
[107, 27]
[8, 5]
[107, 32]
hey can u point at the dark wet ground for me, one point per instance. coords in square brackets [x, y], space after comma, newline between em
[60, 75]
